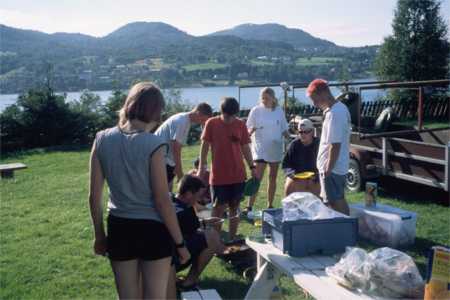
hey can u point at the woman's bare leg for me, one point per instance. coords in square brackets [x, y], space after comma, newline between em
[273, 172]
[171, 284]
[155, 276]
[126, 275]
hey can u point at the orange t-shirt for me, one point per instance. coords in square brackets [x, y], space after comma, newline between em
[226, 141]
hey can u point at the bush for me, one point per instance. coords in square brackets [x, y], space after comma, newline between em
[39, 119]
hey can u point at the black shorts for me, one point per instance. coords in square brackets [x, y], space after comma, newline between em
[260, 161]
[195, 243]
[129, 239]
[230, 194]
[170, 173]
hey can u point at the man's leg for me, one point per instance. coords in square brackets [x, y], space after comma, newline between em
[333, 188]
[217, 211]
[201, 260]
[341, 206]
[260, 168]
[233, 219]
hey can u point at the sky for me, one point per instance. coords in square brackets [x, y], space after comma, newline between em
[344, 22]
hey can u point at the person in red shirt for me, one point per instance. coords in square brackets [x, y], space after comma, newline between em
[228, 138]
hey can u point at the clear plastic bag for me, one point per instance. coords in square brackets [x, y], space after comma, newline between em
[349, 271]
[383, 272]
[393, 273]
[303, 205]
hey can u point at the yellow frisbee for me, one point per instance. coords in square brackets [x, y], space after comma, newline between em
[304, 175]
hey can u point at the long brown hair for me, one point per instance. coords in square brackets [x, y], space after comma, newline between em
[144, 103]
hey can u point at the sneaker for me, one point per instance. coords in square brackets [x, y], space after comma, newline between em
[250, 215]
[246, 210]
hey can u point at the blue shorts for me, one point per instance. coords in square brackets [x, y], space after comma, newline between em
[332, 187]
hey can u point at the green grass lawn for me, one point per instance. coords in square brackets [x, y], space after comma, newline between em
[204, 66]
[46, 234]
[315, 61]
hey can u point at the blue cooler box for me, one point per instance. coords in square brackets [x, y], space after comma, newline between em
[305, 237]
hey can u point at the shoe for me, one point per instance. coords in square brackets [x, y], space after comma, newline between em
[246, 210]
[250, 215]
[186, 288]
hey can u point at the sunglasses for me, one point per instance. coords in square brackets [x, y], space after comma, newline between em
[304, 131]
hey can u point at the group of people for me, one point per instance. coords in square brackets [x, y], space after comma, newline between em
[151, 233]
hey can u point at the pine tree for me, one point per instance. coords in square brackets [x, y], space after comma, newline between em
[419, 47]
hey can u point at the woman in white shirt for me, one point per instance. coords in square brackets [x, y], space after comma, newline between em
[267, 125]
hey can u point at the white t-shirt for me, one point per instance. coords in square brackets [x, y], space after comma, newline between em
[267, 141]
[175, 128]
[335, 129]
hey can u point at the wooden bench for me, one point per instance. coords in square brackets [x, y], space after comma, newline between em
[7, 170]
[201, 295]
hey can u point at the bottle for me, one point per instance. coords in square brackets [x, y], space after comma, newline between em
[257, 218]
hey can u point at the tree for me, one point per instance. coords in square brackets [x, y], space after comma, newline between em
[418, 48]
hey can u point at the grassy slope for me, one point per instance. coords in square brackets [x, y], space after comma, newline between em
[46, 232]
[204, 66]
[315, 61]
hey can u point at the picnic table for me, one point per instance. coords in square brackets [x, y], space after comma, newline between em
[7, 170]
[307, 272]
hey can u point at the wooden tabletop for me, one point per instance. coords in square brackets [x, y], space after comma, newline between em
[307, 272]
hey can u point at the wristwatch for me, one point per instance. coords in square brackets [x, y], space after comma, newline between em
[180, 245]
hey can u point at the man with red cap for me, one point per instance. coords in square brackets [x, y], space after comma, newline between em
[333, 156]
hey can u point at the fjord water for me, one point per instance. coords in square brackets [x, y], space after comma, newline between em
[249, 97]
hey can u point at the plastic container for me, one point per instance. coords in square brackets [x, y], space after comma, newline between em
[385, 225]
[306, 237]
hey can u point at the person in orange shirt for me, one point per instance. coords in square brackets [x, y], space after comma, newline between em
[228, 138]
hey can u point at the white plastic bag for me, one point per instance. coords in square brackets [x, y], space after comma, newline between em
[303, 205]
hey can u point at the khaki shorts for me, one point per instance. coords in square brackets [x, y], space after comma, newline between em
[332, 187]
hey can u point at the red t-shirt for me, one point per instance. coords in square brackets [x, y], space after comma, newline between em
[226, 140]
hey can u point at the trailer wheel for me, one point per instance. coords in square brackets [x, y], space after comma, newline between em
[354, 178]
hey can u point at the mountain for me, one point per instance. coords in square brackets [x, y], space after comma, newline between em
[278, 33]
[145, 35]
[143, 50]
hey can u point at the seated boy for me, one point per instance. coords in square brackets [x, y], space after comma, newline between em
[207, 195]
[201, 243]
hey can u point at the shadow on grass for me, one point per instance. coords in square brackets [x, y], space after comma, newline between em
[62, 148]
[411, 192]
[227, 289]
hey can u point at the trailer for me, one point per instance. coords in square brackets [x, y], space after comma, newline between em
[412, 153]
[379, 147]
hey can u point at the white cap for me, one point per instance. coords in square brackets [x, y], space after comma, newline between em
[305, 124]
